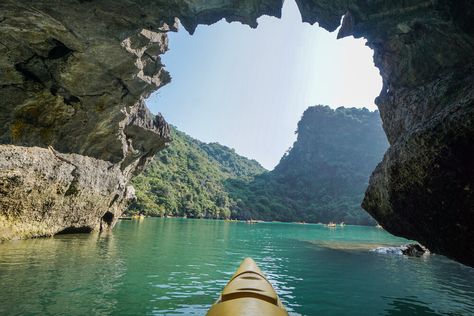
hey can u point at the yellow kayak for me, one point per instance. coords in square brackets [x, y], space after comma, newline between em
[248, 293]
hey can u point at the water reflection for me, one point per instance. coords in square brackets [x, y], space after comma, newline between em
[46, 276]
[408, 306]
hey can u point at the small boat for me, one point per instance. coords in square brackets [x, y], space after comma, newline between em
[125, 218]
[231, 220]
[248, 293]
[331, 224]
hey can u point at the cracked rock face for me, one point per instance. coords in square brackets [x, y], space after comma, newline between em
[74, 74]
[44, 192]
[76, 87]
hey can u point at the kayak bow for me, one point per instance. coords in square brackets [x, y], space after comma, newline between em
[248, 293]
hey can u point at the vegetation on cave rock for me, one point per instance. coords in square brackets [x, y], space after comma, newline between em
[322, 178]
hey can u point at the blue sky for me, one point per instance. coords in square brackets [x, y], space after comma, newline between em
[247, 88]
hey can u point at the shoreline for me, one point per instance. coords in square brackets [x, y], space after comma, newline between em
[256, 221]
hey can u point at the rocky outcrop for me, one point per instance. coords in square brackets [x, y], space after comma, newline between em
[77, 87]
[73, 73]
[410, 250]
[44, 192]
[414, 250]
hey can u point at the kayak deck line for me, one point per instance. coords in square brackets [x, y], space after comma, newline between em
[248, 293]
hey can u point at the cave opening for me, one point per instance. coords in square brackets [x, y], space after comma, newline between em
[75, 230]
[59, 50]
[108, 218]
[248, 88]
[246, 92]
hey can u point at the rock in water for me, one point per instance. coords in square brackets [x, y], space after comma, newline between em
[411, 250]
[414, 250]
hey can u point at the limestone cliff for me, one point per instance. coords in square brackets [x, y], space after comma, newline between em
[323, 176]
[74, 73]
[44, 192]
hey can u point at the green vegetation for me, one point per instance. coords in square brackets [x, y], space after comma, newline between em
[187, 179]
[322, 178]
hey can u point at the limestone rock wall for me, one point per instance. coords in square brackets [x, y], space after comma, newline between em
[44, 192]
[74, 85]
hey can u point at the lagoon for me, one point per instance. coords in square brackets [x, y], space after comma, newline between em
[174, 266]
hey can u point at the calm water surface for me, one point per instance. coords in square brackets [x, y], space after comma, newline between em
[177, 266]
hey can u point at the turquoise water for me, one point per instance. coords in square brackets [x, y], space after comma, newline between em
[177, 266]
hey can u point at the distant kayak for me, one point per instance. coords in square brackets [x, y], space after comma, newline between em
[248, 293]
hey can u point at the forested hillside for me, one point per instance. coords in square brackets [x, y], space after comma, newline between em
[322, 178]
[187, 179]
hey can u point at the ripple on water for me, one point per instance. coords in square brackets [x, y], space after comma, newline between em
[179, 267]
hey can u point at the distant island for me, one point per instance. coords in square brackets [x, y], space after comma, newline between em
[322, 178]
